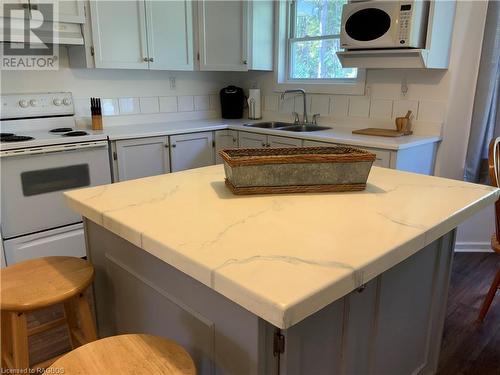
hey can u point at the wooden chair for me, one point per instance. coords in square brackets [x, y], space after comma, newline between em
[494, 171]
[37, 284]
[127, 354]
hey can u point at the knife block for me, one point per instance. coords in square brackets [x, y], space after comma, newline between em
[96, 122]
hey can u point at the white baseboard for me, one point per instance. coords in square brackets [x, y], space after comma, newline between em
[473, 247]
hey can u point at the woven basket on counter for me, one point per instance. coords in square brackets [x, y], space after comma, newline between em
[296, 170]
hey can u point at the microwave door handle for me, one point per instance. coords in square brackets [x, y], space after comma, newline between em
[54, 149]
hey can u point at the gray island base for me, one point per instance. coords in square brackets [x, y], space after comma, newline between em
[390, 325]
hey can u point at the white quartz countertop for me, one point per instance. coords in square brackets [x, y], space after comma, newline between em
[339, 133]
[282, 257]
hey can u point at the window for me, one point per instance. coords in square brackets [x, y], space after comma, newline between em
[313, 39]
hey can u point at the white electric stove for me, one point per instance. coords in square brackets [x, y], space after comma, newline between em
[42, 154]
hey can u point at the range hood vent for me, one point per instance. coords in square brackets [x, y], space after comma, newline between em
[49, 32]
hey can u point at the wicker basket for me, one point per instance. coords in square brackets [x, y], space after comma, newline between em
[296, 170]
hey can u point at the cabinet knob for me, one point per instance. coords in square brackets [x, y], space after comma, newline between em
[167, 145]
[263, 144]
[174, 145]
[245, 62]
[145, 59]
[151, 59]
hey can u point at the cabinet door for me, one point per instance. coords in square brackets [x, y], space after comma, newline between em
[224, 139]
[119, 34]
[252, 140]
[70, 11]
[277, 142]
[308, 143]
[137, 158]
[193, 150]
[170, 34]
[223, 35]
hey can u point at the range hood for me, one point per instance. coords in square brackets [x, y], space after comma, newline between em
[48, 32]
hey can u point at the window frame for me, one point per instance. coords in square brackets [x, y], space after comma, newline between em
[350, 86]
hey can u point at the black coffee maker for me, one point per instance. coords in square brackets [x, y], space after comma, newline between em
[232, 101]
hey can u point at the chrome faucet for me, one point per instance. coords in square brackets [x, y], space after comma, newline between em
[305, 120]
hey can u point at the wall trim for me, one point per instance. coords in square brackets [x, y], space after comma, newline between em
[473, 247]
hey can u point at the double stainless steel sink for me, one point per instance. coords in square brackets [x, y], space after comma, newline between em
[287, 126]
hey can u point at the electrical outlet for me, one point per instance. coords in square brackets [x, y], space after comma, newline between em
[172, 83]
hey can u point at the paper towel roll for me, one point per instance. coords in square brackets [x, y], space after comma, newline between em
[254, 108]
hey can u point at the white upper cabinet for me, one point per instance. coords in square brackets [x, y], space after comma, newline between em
[235, 35]
[223, 35]
[119, 34]
[71, 11]
[170, 34]
[143, 34]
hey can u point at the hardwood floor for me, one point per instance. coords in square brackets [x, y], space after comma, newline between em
[469, 347]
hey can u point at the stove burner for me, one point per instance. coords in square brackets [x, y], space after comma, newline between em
[16, 138]
[76, 133]
[61, 130]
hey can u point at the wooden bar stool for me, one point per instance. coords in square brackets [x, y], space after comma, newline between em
[494, 172]
[37, 284]
[127, 354]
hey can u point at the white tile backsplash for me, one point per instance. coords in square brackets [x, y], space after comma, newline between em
[168, 103]
[149, 104]
[402, 106]
[339, 105]
[431, 111]
[110, 107]
[129, 106]
[201, 103]
[271, 103]
[186, 103]
[287, 105]
[214, 102]
[82, 107]
[381, 108]
[320, 104]
[299, 104]
[359, 106]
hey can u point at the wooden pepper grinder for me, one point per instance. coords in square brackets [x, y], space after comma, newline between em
[95, 110]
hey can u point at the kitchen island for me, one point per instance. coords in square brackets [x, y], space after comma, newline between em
[348, 283]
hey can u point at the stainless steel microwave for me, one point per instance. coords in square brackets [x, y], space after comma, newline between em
[377, 24]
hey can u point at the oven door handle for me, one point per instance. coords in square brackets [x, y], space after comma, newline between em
[54, 149]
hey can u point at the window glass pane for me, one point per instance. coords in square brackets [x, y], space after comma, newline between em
[55, 179]
[317, 17]
[316, 59]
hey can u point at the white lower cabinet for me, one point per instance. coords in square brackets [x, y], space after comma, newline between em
[308, 143]
[193, 150]
[224, 139]
[277, 142]
[252, 140]
[141, 157]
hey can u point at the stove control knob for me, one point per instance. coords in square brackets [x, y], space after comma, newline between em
[57, 102]
[67, 101]
[33, 102]
[23, 103]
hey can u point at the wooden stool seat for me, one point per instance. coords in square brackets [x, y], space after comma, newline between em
[495, 245]
[43, 282]
[37, 284]
[127, 354]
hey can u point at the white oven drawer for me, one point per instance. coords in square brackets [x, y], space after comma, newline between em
[67, 241]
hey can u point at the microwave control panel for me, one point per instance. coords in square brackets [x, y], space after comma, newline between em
[404, 23]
